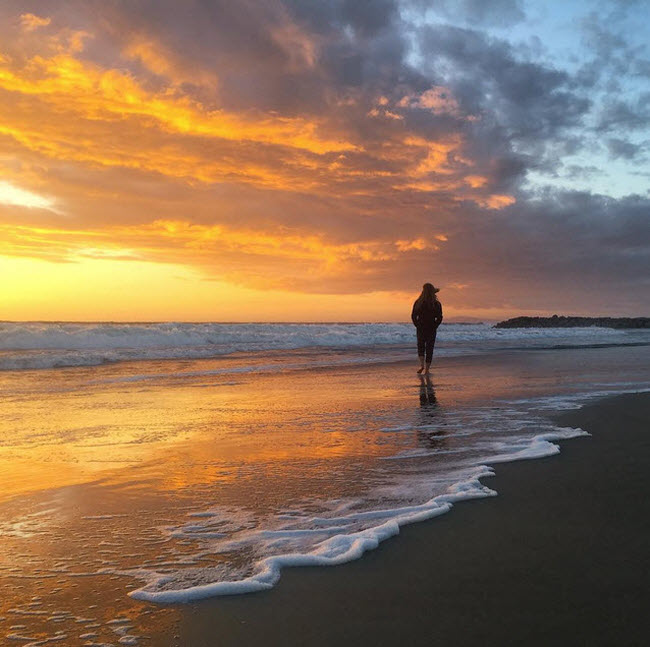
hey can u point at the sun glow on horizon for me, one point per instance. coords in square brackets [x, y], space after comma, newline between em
[102, 289]
[105, 289]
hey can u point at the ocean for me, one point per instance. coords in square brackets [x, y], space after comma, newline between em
[36, 345]
[170, 462]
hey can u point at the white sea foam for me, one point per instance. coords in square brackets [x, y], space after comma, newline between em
[294, 537]
[338, 549]
[539, 446]
[314, 540]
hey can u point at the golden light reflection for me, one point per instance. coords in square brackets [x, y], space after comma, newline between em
[177, 435]
[170, 432]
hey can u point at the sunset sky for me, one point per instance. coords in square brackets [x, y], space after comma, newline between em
[319, 160]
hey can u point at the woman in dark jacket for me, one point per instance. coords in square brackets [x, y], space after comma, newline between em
[426, 316]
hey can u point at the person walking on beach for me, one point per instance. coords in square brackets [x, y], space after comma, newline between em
[426, 317]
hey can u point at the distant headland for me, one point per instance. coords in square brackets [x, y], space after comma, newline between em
[575, 322]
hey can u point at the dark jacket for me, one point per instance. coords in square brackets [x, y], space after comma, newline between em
[426, 318]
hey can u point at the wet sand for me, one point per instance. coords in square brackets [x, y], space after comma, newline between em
[560, 557]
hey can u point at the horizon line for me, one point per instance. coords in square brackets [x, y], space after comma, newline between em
[207, 321]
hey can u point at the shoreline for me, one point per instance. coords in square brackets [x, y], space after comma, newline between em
[557, 557]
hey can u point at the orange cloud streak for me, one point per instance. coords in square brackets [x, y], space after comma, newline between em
[29, 21]
[65, 108]
[181, 242]
[90, 92]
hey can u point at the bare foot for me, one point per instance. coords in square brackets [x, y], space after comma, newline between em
[420, 369]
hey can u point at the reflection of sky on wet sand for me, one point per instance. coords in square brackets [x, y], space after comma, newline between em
[184, 433]
[77, 425]
[105, 476]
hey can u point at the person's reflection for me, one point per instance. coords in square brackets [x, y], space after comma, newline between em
[430, 433]
[428, 400]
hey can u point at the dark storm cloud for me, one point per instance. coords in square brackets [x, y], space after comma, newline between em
[589, 251]
[370, 17]
[575, 171]
[528, 100]
[575, 250]
[528, 110]
[609, 48]
[290, 57]
[619, 148]
[611, 67]
[625, 115]
[476, 12]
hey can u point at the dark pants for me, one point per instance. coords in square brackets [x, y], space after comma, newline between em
[426, 342]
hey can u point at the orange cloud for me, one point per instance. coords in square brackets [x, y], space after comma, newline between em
[496, 201]
[164, 63]
[67, 84]
[476, 181]
[437, 100]
[215, 246]
[418, 244]
[437, 158]
[300, 48]
[29, 21]
[65, 108]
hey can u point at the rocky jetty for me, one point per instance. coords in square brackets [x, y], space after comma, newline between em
[575, 322]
